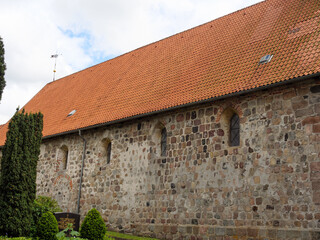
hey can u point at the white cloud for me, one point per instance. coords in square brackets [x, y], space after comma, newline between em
[84, 31]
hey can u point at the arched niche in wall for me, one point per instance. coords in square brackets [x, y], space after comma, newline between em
[62, 186]
[62, 192]
[230, 123]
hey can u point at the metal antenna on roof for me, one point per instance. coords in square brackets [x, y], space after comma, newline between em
[55, 56]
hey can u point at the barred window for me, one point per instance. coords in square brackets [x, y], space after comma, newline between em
[163, 142]
[235, 130]
[108, 149]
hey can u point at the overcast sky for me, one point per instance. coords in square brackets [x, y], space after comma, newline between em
[86, 32]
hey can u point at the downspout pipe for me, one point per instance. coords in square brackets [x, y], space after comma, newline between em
[82, 164]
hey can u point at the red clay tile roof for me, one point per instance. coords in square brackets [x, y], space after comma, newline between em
[215, 59]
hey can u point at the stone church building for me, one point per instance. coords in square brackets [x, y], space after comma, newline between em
[213, 133]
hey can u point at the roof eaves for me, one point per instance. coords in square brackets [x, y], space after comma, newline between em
[289, 81]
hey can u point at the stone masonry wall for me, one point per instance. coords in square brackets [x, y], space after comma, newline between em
[266, 188]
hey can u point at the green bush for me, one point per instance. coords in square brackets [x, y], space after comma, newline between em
[93, 227]
[47, 227]
[41, 205]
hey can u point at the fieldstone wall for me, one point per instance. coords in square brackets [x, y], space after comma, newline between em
[266, 188]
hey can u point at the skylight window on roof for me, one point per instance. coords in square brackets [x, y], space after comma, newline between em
[71, 113]
[265, 59]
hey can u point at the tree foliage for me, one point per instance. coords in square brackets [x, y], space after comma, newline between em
[47, 204]
[18, 173]
[2, 68]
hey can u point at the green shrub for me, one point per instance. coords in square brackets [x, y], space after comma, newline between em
[41, 205]
[47, 227]
[93, 227]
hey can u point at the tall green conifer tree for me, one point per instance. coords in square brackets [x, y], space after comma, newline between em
[18, 173]
[2, 68]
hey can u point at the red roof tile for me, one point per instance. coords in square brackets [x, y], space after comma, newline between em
[212, 60]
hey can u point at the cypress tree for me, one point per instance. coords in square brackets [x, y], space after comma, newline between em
[2, 68]
[18, 173]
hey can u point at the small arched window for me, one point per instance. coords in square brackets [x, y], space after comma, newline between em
[64, 157]
[163, 142]
[235, 130]
[107, 149]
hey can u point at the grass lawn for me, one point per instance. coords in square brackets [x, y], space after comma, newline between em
[127, 236]
[109, 235]
[15, 238]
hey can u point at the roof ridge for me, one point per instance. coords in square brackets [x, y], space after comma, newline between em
[160, 40]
